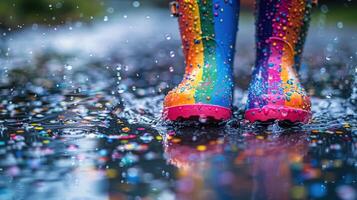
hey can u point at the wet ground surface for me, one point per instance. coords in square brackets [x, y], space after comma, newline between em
[80, 119]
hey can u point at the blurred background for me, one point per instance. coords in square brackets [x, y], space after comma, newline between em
[15, 13]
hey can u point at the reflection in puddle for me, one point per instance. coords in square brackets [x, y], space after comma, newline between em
[214, 166]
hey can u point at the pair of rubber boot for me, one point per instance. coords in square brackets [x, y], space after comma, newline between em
[208, 32]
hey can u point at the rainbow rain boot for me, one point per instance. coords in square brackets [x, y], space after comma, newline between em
[208, 32]
[275, 91]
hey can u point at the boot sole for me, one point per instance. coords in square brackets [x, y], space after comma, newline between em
[197, 111]
[280, 113]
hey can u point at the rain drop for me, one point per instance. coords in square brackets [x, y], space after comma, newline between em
[168, 37]
[68, 67]
[171, 69]
[136, 4]
[340, 25]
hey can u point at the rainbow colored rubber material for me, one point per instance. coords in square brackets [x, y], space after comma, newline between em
[275, 92]
[208, 32]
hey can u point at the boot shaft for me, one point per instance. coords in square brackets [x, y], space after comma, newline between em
[281, 29]
[208, 27]
[208, 31]
[285, 20]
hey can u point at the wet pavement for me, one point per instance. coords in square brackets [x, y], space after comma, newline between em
[80, 118]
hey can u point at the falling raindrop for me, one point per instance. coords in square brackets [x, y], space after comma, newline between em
[168, 37]
[68, 67]
[136, 4]
[110, 10]
[323, 70]
[340, 25]
[105, 18]
[172, 54]
[34, 26]
[324, 9]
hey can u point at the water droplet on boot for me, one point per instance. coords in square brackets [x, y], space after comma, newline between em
[284, 113]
